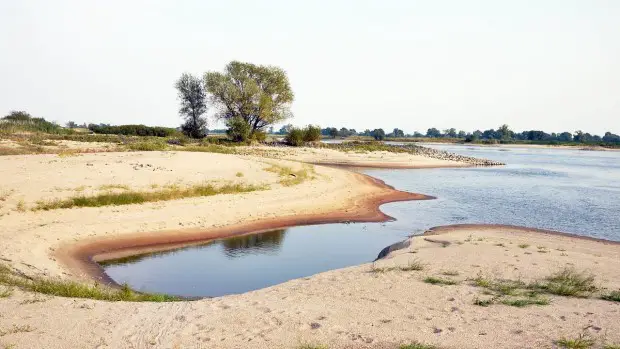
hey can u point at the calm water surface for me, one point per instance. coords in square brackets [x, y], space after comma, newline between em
[567, 190]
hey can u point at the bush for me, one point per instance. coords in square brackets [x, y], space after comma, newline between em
[238, 130]
[133, 130]
[295, 137]
[312, 133]
[378, 134]
[259, 136]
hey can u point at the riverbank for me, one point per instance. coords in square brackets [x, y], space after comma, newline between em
[380, 305]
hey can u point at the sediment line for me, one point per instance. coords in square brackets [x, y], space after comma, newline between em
[81, 257]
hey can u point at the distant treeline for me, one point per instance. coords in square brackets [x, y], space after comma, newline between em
[134, 130]
[502, 135]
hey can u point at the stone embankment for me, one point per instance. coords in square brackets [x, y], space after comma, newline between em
[444, 155]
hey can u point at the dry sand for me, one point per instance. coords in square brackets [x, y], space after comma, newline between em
[347, 308]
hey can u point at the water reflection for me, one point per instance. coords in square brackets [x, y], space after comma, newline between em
[264, 243]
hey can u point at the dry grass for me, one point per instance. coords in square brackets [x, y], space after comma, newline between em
[613, 296]
[583, 341]
[16, 329]
[113, 186]
[130, 197]
[289, 177]
[413, 265]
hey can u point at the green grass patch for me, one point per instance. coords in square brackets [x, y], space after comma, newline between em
[523, 302]
[450, 273]
[5, 293]
[439, 281]
[524, 245]
[567, 282]
[138, 197]
[581, 342]
[63, 288]
[312, 346]
[417, 345]
[613, 296]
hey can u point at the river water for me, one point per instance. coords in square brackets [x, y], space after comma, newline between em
[567, 190]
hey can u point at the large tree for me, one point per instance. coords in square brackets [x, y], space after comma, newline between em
[193, 99]
[260, 95]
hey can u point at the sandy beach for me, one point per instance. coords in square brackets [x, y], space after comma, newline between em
[380, 305]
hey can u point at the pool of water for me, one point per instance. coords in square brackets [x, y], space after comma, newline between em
[567, 190]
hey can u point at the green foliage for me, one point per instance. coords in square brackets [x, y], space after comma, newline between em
[613, 296]
[260, 95]
[147, 146]
[134, 130]
[64, 288]
[439, 281]
[312, 133]
[295, 137]
[238, 129]
[191, 93]
[137, 197]
[568, 282]
[258, 136]
[522, 302]
[583, 341]
[19, 121]
[378, 134]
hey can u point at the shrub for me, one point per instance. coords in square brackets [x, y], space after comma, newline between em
[312, 133]
[259, 136]
[238, 130]
[133, 130]
[295, 137]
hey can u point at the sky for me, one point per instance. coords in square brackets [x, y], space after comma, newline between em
[552, 65]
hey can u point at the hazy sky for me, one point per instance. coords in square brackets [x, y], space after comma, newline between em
[551, 65]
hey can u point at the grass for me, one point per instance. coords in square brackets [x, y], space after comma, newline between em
[450, 273]
[147, 146]
[21, 206]
[613, 296]
[63, 288]
[484, 302]
[439, 281]
[110, 187]
[289, 177]
[417, 345]
[312, 346]
[522, 302]
[16, 329]
[413, 265]
[568, 282]
[611, 346]
[239, 174]
[524, 245]
[137, 197]
[581, 342]
[6, 293]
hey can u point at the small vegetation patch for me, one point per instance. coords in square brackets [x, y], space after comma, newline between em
[112, 187]
[413, 265]
[289, 177]
[568, 282]
[16, 329]
[524, 245]
[63, 288]
[581, 342]
[613, 296]
[312, 346]
[439, 281]
[522, 302]
[6, 292]
[417, 345]
[138, 197]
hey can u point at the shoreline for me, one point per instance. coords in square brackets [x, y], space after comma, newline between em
[81, 257]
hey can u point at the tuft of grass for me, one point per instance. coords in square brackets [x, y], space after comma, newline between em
[613, 296]
[417, 345]
[611, 346]
[7, 292]
[484, 302]
[288, 177]
[450, 273]
[16, 329]
[63, 288]
[138, 197]
[153, 145]
[522, 302]
[413, 265]
[21, 206]
[581, 342]
[568, 282]
[239, 174]
[113, 186]
[312, 346]
[439, 281]
[524, 245]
